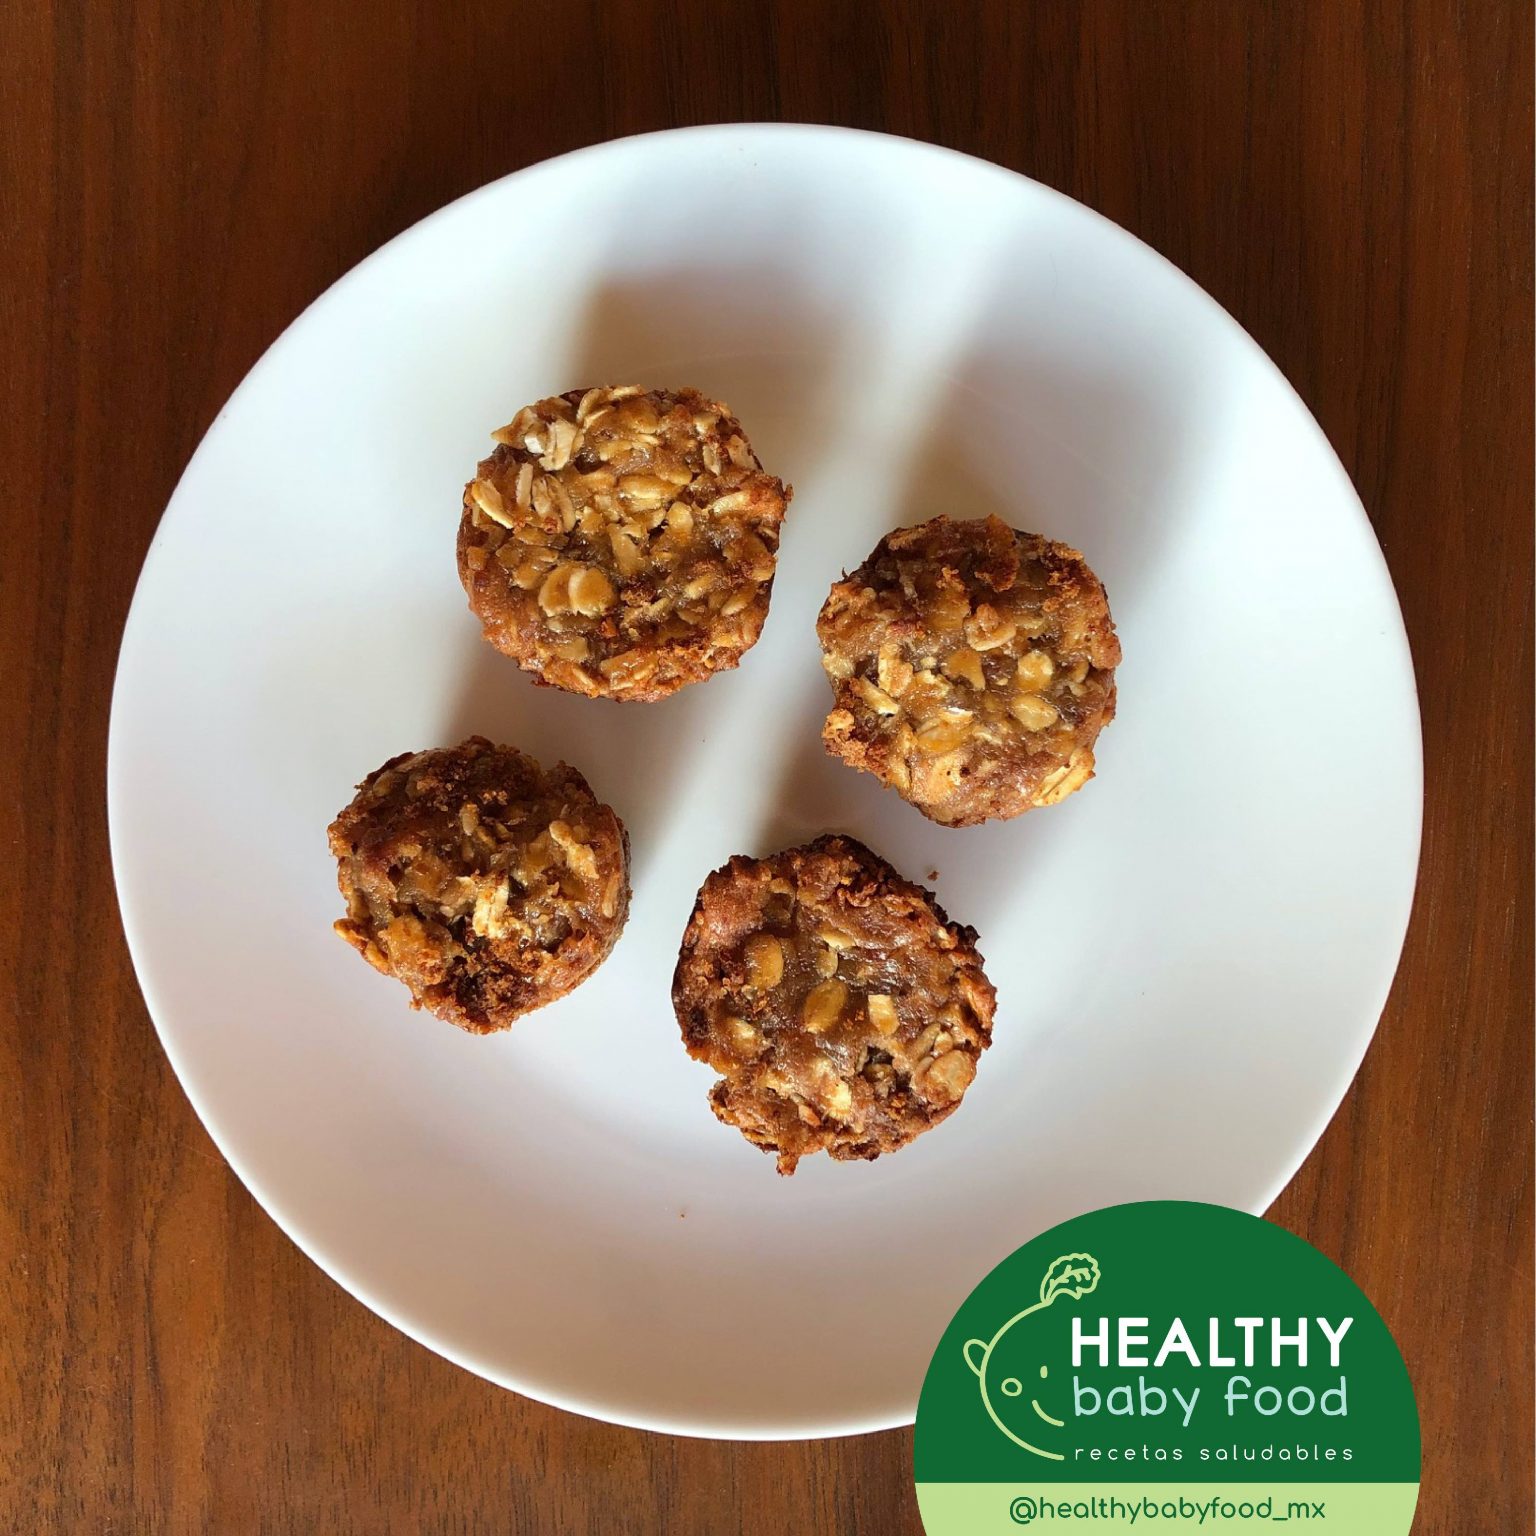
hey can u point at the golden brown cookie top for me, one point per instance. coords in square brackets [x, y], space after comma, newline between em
[487, 884]
[622, 542]
[973, 668]
[843, 1009]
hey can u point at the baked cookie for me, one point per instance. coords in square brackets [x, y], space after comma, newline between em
[973, 668]
[485, 883]
[621, 542]
[842, 1008]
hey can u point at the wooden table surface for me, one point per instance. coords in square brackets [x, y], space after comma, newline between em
[177, 180]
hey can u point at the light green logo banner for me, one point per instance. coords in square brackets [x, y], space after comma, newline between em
[1173, 1367]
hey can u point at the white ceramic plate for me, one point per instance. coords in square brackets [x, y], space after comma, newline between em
[1190, 955]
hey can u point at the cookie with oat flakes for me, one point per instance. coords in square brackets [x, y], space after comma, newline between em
[842, 1009]
[621, 542]
[488, 885]
[973, 667]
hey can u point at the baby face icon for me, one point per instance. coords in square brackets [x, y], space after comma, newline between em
[1015, 1380]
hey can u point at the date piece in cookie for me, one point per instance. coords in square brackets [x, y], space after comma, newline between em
[973, 668]
[842, 1009]
[487, 884]
[621, 542]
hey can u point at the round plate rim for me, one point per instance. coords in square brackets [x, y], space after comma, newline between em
[117, 790]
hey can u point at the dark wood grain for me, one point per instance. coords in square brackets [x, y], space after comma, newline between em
[178, 179]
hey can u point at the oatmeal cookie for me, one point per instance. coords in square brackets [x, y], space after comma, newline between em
[485, 883]
[842, 1008]
[973, 668]
[621, 542]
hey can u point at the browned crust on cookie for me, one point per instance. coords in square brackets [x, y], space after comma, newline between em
[842, 1008]
[621, 543]
[973, 668]
[487, 884]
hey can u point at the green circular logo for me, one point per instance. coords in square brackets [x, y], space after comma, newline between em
[1173, 1367]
